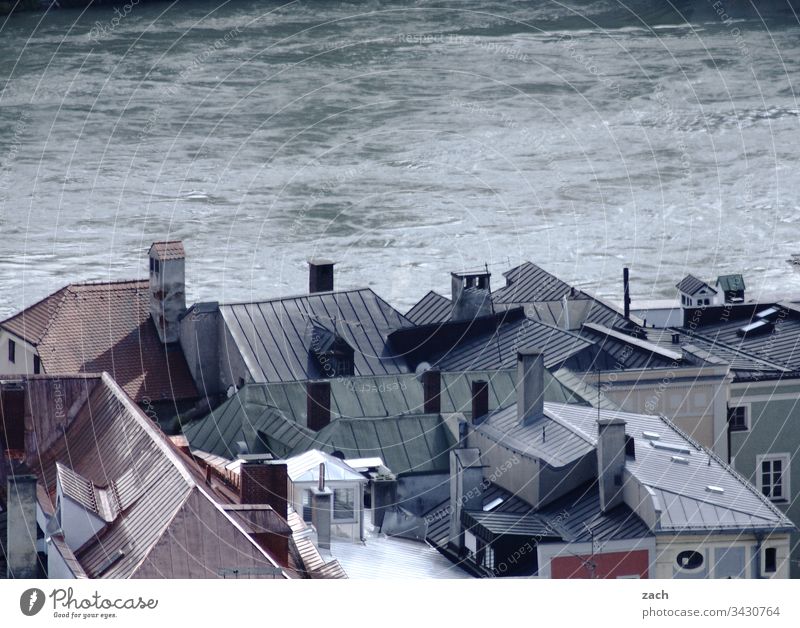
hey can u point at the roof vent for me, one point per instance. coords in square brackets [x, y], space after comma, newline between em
[651, 435]
[676, 339]
[488, 507]
[715, 489]
[680, 459]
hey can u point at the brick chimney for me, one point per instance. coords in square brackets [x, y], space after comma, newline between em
[611, 451]
[22, 560]
[320, 275]
[432, 391]
[265, 482]
[480, 401]
[530, 385]
[167, 288]
[318, 405]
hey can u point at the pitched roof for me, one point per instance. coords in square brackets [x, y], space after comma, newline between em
[432, 308]
[275, 337]
[169, 250]
[675, 491]
[96, 327]
[691, 285]
[271, 417]
[162, 508]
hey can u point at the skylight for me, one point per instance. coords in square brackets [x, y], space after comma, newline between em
[715, 489]
[493, 504]
[682, 449]
[651, 435]
[680, 459]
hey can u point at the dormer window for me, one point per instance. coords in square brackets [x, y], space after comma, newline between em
[334, 356]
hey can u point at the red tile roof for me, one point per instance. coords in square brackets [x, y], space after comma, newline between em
[95, 327]
[170, 250]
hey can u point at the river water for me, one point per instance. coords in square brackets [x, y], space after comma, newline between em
[402, 139]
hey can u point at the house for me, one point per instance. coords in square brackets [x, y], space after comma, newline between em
[125, 328]
[322, 335]
[657, 503]
[328, 493]
[103, 493]
[695, 292]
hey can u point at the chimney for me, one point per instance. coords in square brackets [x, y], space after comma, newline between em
[265, 482]
[612, 447]
[167, 288]
[320, 275]
[318, 405]
[321, 497]
[466, 478]
[471, 295]
[432, 391]
[480, 401]
[530, 385]
[626, 292]
[22, 559]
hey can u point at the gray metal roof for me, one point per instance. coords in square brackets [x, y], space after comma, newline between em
[406, 444]
[739, 507]
[274, 337]
[498, 350]
[271, 417]
[432, 308]
[691, 285]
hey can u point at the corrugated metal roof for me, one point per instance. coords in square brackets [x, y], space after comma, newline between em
[509, 524]
[432, 308]
[691, 285]
[274, 336]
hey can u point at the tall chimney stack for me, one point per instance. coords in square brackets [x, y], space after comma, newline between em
[318, 405]
[167, 288]
[320, 275]
[22, 559]
[432, 391]
[480, 401]
[530, 385]
[265, 482]
[626, 289]
[611, 451]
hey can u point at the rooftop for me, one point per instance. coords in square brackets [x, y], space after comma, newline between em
[169, 250]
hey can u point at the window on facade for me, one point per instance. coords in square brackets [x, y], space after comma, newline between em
[37, 365]
[344, 504]
[770, 560]
[737, 419]
[773, 476]
[12, 351]
[156, 266]
[488, 558]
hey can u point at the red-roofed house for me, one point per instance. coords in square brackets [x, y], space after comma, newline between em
[115, 327]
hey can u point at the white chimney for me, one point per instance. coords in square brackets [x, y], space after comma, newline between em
[167, 288]
[611, 445]
[530, 385]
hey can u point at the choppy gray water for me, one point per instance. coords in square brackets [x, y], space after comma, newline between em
[402, 139]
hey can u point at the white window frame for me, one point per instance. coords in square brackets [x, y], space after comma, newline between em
[785, 460]
[747, 420]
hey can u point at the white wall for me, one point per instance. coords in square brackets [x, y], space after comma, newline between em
[23, 363]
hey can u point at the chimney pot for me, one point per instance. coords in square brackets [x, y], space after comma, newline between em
[530, 385]
[480, 401]
[320, 275]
